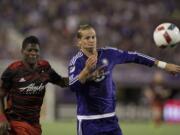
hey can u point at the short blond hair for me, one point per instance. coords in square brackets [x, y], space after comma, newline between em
[81, 28]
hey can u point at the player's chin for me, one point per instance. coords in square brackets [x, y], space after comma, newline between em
[32, 61]
[91, 46]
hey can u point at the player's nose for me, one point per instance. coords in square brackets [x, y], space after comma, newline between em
[33, 52]
[91, 39]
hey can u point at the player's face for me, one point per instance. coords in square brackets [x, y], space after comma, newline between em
[88, 39]
[31, 53]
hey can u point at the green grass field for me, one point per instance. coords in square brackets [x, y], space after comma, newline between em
[129, 128]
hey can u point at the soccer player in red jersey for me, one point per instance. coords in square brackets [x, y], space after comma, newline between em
[24, 82]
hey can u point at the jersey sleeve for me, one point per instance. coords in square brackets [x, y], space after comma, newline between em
[132, 57]
[6, 78]
[74, 70]
[54, 76]
[45, 66]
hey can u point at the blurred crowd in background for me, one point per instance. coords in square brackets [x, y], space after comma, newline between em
[125, 24]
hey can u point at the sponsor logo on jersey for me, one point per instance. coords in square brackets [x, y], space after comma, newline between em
[105, 62]
[32, 89]
[101, 72]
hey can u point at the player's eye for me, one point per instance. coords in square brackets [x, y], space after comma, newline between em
[35, 50]
[87, 38]
[90, 37]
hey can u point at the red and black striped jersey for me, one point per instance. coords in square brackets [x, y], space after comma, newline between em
[25, 89]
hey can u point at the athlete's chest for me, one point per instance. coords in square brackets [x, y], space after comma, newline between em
[30, 82]
[25, 75]
[103, 59]
[103, 67]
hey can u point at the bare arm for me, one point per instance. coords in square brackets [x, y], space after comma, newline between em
[172, 68]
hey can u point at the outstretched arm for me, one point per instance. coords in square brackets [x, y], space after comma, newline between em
[140, 58]
[64, 82]
[57, 79]
[172, 68]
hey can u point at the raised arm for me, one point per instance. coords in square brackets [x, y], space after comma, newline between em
[89, 66]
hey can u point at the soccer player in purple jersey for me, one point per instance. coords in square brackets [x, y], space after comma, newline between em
[24, 82]
[90, 76]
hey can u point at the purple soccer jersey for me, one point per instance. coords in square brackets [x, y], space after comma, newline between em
[98, 96]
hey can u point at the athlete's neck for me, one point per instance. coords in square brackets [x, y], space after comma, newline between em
[30, 66]
[90, 51]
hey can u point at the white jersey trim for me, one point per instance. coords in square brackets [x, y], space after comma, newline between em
[73, 60]
[73, 80]
[142, 55]
[112, 48]
[93, 117]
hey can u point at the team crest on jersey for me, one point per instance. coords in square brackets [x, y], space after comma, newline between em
[99, 78]
[72, 69]
[105, 61]
[101, 72]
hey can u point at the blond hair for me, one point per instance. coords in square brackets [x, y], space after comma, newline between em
[81, 28]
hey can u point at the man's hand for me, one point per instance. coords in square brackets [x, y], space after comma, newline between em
[172, 68]
[89, 67]
[91, 62]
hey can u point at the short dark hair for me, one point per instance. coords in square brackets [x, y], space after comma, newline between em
[30, 40]
[81, 28]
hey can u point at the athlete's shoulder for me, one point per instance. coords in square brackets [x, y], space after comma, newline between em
[43, 62]
[111, 49]
[16, 64]
[76, 57]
